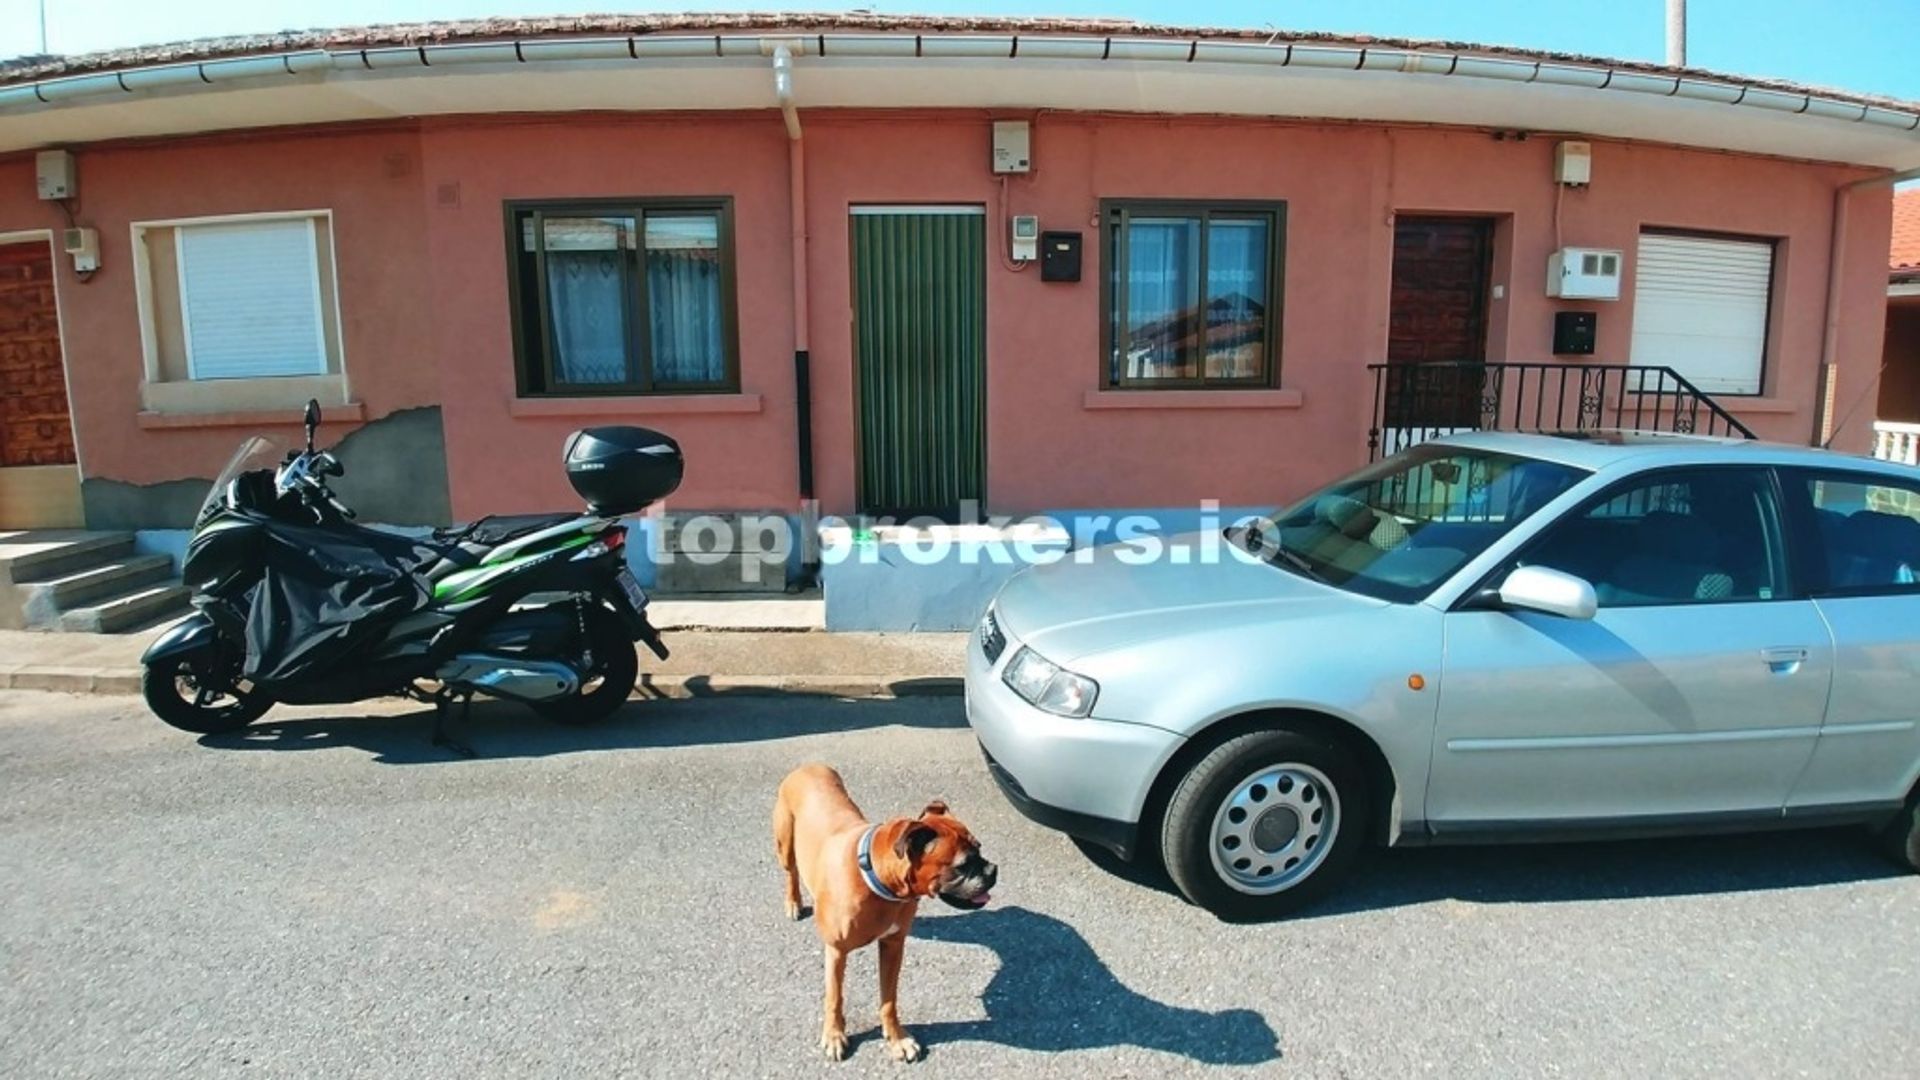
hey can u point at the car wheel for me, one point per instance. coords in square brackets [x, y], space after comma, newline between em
[1265, 824]
[1901, 838]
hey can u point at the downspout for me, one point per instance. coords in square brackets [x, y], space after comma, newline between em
[1825, 425]
[802, 360]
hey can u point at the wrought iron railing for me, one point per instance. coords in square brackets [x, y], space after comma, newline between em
[1416, 402]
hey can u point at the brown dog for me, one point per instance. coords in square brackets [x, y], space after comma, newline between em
[867, 882]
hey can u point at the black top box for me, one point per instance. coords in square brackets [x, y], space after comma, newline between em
[620, 469]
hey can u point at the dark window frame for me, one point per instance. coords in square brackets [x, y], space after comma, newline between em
[1788, 562]
[1773, 291]
[1114, 216]
[1810, 546]
[639, 325]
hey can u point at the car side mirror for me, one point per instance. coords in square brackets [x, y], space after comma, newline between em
[312, 419]
[1548, 591]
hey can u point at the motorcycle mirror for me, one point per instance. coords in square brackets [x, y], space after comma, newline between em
[313, 420]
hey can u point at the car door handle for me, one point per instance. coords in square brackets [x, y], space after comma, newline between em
[1784, 659]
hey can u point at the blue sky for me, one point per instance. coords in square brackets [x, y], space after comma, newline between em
[1866, 45]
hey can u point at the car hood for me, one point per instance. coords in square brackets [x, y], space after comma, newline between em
[1092, 601]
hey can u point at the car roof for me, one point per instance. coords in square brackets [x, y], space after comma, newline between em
[1609, 449]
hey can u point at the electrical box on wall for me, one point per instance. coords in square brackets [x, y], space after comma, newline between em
[84, 245]
[1573, 163]
[1012, 146]
[1584, 274]
[1574, 332]
[1060, 256]
[54, 175]
[1026, 238]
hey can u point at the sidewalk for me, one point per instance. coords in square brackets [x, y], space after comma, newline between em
[704, 661]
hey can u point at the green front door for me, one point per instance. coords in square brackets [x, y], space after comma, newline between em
[920, 325]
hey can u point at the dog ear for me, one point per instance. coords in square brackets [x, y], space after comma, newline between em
[914, 840]
[936, 808]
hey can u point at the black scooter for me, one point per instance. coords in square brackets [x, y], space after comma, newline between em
[296, 603]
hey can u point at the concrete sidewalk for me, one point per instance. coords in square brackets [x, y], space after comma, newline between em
[704, 661]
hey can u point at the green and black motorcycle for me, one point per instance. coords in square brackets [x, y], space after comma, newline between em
[296, 603]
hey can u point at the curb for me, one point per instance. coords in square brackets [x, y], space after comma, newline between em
[125, 681]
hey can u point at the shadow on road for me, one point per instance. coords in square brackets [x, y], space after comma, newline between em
[1053, 993]
[1599, 870]
[498, 729]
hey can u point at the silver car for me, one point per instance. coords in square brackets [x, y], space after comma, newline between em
[1487, 637]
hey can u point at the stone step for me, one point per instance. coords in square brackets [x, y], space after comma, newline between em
[129, 611]
[43, 601]
[38, 555]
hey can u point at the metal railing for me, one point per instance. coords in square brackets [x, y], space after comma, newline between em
[1416, 402]
[1896, 442]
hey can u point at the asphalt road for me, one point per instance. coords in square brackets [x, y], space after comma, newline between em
[335, 898]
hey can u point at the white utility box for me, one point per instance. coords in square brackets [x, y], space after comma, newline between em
[84, 245]
[1584, 274]
[1026, 238]
[54, 176]
[1012, 146]
[1573, 163]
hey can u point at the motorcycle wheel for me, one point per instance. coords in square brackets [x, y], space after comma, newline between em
[177, 691]
[616, 667]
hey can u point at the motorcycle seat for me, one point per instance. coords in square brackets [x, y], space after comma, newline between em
[497, 529]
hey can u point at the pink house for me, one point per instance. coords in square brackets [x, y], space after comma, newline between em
[901, 265]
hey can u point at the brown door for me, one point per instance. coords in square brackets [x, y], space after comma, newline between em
[1438, 314]
[39, 485]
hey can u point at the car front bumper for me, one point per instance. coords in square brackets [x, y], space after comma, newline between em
[1087, 778]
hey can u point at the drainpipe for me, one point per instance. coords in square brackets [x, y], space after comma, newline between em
[1825, 427]
[1676, 33]
[782, 54]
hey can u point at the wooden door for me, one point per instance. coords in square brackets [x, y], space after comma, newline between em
[35, 426]
[1438, 314]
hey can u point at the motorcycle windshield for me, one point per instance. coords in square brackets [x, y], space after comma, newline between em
[257, 452]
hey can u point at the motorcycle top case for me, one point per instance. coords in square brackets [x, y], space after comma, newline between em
[620, 469]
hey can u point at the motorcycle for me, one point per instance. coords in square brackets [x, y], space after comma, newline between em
[294, 602]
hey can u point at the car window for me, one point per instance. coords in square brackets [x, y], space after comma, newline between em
[1396, 529]
[1866, 534]
[1691, 537]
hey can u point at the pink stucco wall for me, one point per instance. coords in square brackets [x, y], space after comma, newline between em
[369, 179]
[423, 283]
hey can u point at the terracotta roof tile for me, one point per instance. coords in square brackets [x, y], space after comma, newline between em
[31, 68]
[1904, 256]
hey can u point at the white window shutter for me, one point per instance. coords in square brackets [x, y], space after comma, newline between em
[250, 294]
[1700, 308]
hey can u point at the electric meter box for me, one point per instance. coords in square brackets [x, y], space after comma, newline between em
[1012, 146]
[1584, 274]
[54, 176]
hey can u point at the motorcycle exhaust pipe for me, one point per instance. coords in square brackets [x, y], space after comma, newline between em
[514, 677]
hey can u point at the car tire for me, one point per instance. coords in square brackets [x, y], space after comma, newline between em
[1901, 838]
[1265, 824]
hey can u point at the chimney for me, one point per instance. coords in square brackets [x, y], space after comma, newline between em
[1676, 33]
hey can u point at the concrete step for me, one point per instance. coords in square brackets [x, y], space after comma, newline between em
[37, 555]
[43, 601]
[129, 611]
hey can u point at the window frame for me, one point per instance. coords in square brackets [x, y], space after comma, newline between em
[1763, 377]
[1810, 563]
[1114, 216]
[638, 305]
[334, 358]
[1794, 580]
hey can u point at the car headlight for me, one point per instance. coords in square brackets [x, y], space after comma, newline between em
[1046, 685]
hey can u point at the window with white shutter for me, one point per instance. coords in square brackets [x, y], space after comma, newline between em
[238, 312]
[1700, 307]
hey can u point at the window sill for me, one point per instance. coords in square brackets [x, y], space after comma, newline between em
[268, 394]
[353, 412]
[634, 405]
[1192, 399]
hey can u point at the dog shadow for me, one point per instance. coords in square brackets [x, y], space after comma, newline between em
[1052, 993]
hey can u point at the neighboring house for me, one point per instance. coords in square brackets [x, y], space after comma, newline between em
[469, 239]
[1897, 425]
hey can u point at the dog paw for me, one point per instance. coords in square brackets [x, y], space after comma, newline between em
[834, 1045]
[904, 1048]
[797, 911]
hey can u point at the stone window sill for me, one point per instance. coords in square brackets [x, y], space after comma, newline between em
[634, 406]
[353, 412]
[1192, 399]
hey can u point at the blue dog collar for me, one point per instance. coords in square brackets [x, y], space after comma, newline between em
[867, 874]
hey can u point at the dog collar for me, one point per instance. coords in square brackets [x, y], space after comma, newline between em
[867, 873]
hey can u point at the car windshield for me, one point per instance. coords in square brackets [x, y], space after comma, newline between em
[1398, 528]
[257, 452]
